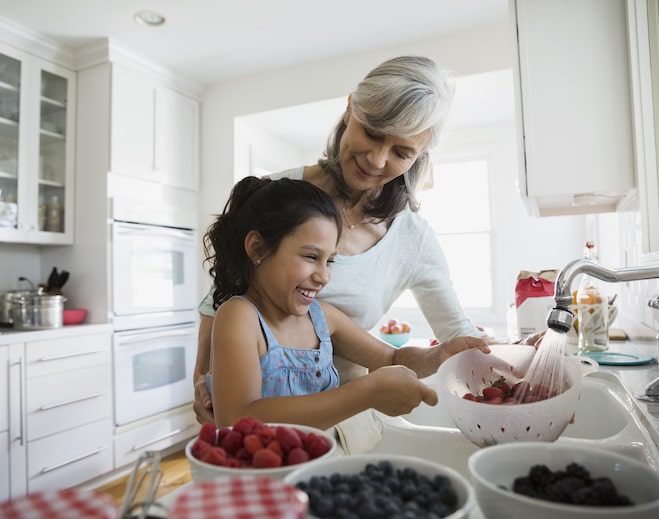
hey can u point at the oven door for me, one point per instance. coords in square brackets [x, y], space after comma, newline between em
[153, 269]
[153, 371]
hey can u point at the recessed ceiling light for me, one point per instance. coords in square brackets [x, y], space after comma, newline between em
[149, 18]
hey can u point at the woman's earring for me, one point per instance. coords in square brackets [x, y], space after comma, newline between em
[257, 262]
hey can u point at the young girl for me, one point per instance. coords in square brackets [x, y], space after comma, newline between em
[271, 252]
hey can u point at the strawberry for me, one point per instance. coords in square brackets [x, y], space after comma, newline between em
[490, 393]
[296, 456]
[232, 442]
[208, 433]
[496, 400]
[214, 455]
[288, 438]
[252, 443]
[470, 396]
[266, 458]
[316, 445]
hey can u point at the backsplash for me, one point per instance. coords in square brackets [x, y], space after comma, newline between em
[18, 260]
[619, 239]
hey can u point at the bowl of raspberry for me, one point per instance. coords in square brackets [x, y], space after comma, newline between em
[383, 485]
[549, 480]
[251, 447]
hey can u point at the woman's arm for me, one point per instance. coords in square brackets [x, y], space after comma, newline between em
[203, 405]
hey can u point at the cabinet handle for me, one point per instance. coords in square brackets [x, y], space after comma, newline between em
[73, 460]
[159, 438]
[68, 402]
[69, 355]
[19, 363]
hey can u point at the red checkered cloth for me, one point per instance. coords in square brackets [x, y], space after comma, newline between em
[72, 503]
[241, 497]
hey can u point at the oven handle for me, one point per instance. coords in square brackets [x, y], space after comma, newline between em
[135, 230]
[151, 336]
[159, 438]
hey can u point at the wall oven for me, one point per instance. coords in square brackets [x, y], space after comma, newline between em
[153, 370]
[153, 275]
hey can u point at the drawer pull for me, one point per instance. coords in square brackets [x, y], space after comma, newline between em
[159, 438]
[65, 463]
[69, 355]
[69, 402]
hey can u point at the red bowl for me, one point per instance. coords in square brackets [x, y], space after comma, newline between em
[74, 316]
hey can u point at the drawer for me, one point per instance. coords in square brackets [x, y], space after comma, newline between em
[66, 354]
[70, 458]
[66, 400]
[157, 434]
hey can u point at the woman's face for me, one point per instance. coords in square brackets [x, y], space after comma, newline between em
[369, 160]
[291, 278]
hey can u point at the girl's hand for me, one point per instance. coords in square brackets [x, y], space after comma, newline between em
[397, 390]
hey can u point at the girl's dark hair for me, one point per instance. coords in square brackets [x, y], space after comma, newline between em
[274, 209]
[403, 96]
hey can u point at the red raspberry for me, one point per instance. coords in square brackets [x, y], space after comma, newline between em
[233, 463]
[214, 455]
[297, 456]
[301, 434]
[245, 425]
[288, 438]
[265, 458]
[232, 442]
[199, 447]
[243, 455]
[208, 433]
[252, 443]
[317, 445]
[221, 434]
[267, 433]
[276, 448]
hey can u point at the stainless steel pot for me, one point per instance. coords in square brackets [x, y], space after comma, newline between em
[37, 312]
[6, 300]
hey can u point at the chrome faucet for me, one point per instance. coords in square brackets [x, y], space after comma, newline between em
[559, 317]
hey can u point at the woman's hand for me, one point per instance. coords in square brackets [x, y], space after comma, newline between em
[202, 405]
[458, 344]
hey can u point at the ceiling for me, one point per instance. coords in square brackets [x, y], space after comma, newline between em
[214, 40]
[209, 41]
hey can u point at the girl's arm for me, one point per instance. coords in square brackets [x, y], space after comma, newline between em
[359, 346]
[237, 342]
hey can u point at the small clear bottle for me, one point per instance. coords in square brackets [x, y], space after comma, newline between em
[592, 309]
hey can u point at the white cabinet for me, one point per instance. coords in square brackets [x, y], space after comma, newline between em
[56, 420]
[155, 130]
[574, 105]
[37, 138]
[68, 410]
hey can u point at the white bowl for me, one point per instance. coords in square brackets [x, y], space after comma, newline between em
[349, 465]
[495, 467]
[202, 471]
[486, 424]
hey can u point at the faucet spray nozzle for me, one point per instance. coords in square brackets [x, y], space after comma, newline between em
[560, 319]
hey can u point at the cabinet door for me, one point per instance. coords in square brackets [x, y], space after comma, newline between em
[4, 425]
[177, 138]
[133, 116]
[37, 138]
[574, 105]
[17, 421]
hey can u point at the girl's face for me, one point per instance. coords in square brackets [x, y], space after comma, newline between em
[369, 160]
[293, 276]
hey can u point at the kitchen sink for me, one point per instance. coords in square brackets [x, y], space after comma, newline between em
[605, 417]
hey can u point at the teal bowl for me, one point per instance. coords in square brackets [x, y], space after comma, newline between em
[395, 339]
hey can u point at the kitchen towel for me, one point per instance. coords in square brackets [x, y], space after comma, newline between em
[359, 434]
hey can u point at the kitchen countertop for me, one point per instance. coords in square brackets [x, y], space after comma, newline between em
[11, 336]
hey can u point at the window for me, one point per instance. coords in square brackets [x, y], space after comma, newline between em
[456, 203]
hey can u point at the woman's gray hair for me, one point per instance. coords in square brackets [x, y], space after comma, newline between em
[403, 96]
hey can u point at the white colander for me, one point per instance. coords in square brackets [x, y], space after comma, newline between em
[490, 424]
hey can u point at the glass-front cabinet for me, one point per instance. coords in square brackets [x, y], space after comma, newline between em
[37, 102]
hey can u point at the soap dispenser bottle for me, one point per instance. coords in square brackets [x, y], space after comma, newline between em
[592, 309]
